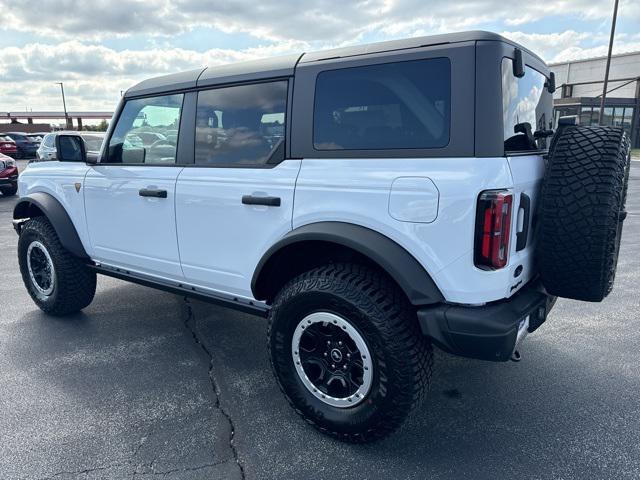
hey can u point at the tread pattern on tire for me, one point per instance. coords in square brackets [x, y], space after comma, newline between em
[581, 201]
[75, 283]
[394, 317]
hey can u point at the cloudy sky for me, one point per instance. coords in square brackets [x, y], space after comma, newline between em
[100, 47]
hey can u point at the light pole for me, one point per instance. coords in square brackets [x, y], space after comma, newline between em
[606, 71]
[64, 103]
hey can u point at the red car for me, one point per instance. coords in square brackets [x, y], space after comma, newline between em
[8, 175]
[8, 146]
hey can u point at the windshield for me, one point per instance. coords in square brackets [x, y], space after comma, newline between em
[526, 106]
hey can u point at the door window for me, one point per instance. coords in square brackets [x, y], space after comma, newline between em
[146, 131]
[242, 125]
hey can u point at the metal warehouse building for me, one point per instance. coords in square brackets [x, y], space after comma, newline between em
[580, 85]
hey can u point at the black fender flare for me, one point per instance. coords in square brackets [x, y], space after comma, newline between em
[53, 210]
[394, 259]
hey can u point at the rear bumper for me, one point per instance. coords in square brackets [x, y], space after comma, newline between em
[489, 332]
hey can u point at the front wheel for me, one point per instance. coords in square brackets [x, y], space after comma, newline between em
[347, 351]
[58, 282]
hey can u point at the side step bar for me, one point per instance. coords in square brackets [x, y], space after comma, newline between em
[235, 303]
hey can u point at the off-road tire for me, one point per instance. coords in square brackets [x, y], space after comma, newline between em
[75, 284]
[10, 190]
[402, 357]
[582, 210]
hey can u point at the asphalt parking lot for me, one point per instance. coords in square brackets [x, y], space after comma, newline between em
[145, 384]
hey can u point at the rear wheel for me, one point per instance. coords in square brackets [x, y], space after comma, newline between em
[58, 282]
[347, 351]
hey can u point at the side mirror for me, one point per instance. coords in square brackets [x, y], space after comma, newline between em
[70, 148]
[134, 155]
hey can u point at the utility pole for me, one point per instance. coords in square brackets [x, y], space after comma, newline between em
[606, 71]
[64, 103]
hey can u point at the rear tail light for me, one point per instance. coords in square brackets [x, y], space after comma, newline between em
[493, 229]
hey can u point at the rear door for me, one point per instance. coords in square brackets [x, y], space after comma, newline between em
[237, 199]
[527, 114]
[130, 194]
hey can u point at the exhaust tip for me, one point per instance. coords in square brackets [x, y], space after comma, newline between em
[515, 356]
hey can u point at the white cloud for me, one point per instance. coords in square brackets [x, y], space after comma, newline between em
[569, 45]
[323, 21]
[94, 74]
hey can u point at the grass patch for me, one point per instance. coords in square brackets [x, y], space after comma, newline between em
[635, 153]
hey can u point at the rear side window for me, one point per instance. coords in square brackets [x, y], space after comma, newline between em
[387, 106]
[242, 125]
[526, 105]
[145, 132]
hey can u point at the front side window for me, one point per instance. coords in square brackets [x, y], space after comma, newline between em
[143, 133]
[526, 107]
[240, 126]
[387, 106]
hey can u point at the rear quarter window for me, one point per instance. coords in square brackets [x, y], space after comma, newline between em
[399, 105]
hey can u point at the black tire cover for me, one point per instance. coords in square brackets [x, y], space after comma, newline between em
[582, 210]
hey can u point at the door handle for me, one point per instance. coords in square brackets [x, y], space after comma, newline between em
[152, 192]
[268, 201]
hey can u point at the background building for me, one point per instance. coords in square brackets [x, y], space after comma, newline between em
[579, 90]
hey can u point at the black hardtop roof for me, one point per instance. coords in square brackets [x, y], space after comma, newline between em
[284, 66]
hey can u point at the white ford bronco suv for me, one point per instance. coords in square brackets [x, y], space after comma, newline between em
[370, 201]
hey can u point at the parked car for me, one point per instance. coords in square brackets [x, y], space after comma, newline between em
[8, 146]
[25, 145]
[8, 175]
[36, 137]
[149, 138]
[430, 209]
[47, 149]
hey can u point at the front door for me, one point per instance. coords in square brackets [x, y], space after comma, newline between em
[130, 194]
[237, 200]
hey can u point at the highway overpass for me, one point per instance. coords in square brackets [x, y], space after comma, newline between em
[17, 119]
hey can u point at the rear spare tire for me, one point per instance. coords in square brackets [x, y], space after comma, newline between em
[582, 210]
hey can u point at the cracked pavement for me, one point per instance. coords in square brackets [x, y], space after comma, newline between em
[144, 384]
[120, 390]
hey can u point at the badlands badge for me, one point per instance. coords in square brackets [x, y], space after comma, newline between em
[77, 185]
